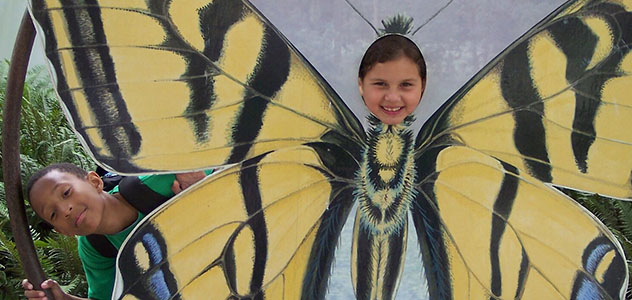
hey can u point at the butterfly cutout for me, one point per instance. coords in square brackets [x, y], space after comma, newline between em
[230, 89]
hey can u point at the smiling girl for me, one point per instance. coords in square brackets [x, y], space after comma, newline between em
[392, 78]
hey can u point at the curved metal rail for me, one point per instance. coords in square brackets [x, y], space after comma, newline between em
[11, 153]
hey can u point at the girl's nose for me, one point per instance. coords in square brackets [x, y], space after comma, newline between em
[391, 96]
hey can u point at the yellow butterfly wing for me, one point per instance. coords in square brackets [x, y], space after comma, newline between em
[505, 234]
[555, 104]
[551, 109]
[241, 239]
[175, 92]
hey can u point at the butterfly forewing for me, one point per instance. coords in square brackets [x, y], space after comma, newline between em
[554, 104]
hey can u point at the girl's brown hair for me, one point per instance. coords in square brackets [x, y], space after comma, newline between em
[390, 47]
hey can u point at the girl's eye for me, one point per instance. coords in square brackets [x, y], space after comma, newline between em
[407, 84]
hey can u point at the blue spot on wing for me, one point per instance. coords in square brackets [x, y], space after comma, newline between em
[609, 283]
[588, 291]
[157, 280]
[153, 248]
[595, 257]
[159, 286]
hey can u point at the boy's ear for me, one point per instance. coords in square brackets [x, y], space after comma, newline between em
[94, 179]
[360, 86]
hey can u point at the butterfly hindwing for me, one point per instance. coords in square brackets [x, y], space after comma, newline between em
[238, 250]
[175, 92]
[538, 242]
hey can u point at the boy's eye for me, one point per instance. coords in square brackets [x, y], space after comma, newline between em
[66, 192]
[407, 84]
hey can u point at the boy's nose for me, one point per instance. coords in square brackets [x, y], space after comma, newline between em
[67, 210]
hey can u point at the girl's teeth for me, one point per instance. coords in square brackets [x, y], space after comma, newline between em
[391, 109]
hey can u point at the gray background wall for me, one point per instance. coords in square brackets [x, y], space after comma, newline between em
[11, 12]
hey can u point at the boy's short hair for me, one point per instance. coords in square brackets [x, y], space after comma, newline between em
[61, 167]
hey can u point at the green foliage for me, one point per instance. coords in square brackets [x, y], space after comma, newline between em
[45, 138]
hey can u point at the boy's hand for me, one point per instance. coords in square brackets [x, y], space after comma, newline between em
[185, 180]
[30, 293]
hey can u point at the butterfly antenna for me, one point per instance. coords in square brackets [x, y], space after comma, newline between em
[362, 16]
[433, 16]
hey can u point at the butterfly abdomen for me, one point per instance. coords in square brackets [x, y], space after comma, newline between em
[385, 179]
[384, 193]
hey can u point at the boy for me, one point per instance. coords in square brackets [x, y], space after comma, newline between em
[74, 203]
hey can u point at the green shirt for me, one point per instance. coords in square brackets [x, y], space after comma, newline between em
[100, 270]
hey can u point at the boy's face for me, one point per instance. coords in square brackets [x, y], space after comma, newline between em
[392, 90]
[71, 204]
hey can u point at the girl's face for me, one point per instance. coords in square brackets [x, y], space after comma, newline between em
[392, 90]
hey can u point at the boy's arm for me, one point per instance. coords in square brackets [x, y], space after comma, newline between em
[185, 180]
[147, 192]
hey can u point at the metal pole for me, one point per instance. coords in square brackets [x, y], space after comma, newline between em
[11, 153]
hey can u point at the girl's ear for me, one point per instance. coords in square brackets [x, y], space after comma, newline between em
[360, 86]
[94, 179]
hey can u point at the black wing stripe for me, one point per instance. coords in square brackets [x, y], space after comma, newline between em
[579, 56]
[257, 223]
[429, 228]
[271, 73]
[519, 92]
[116, 109]
[340, 163]
[586, 108]
[213, 26]
[363, 284]
[322, 255]
[502, 210]
[40, 12]
[583, 79]
[394, 263]
[97, 72]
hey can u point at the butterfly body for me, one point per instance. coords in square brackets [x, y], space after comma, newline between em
[386, 179]
[384, 192]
